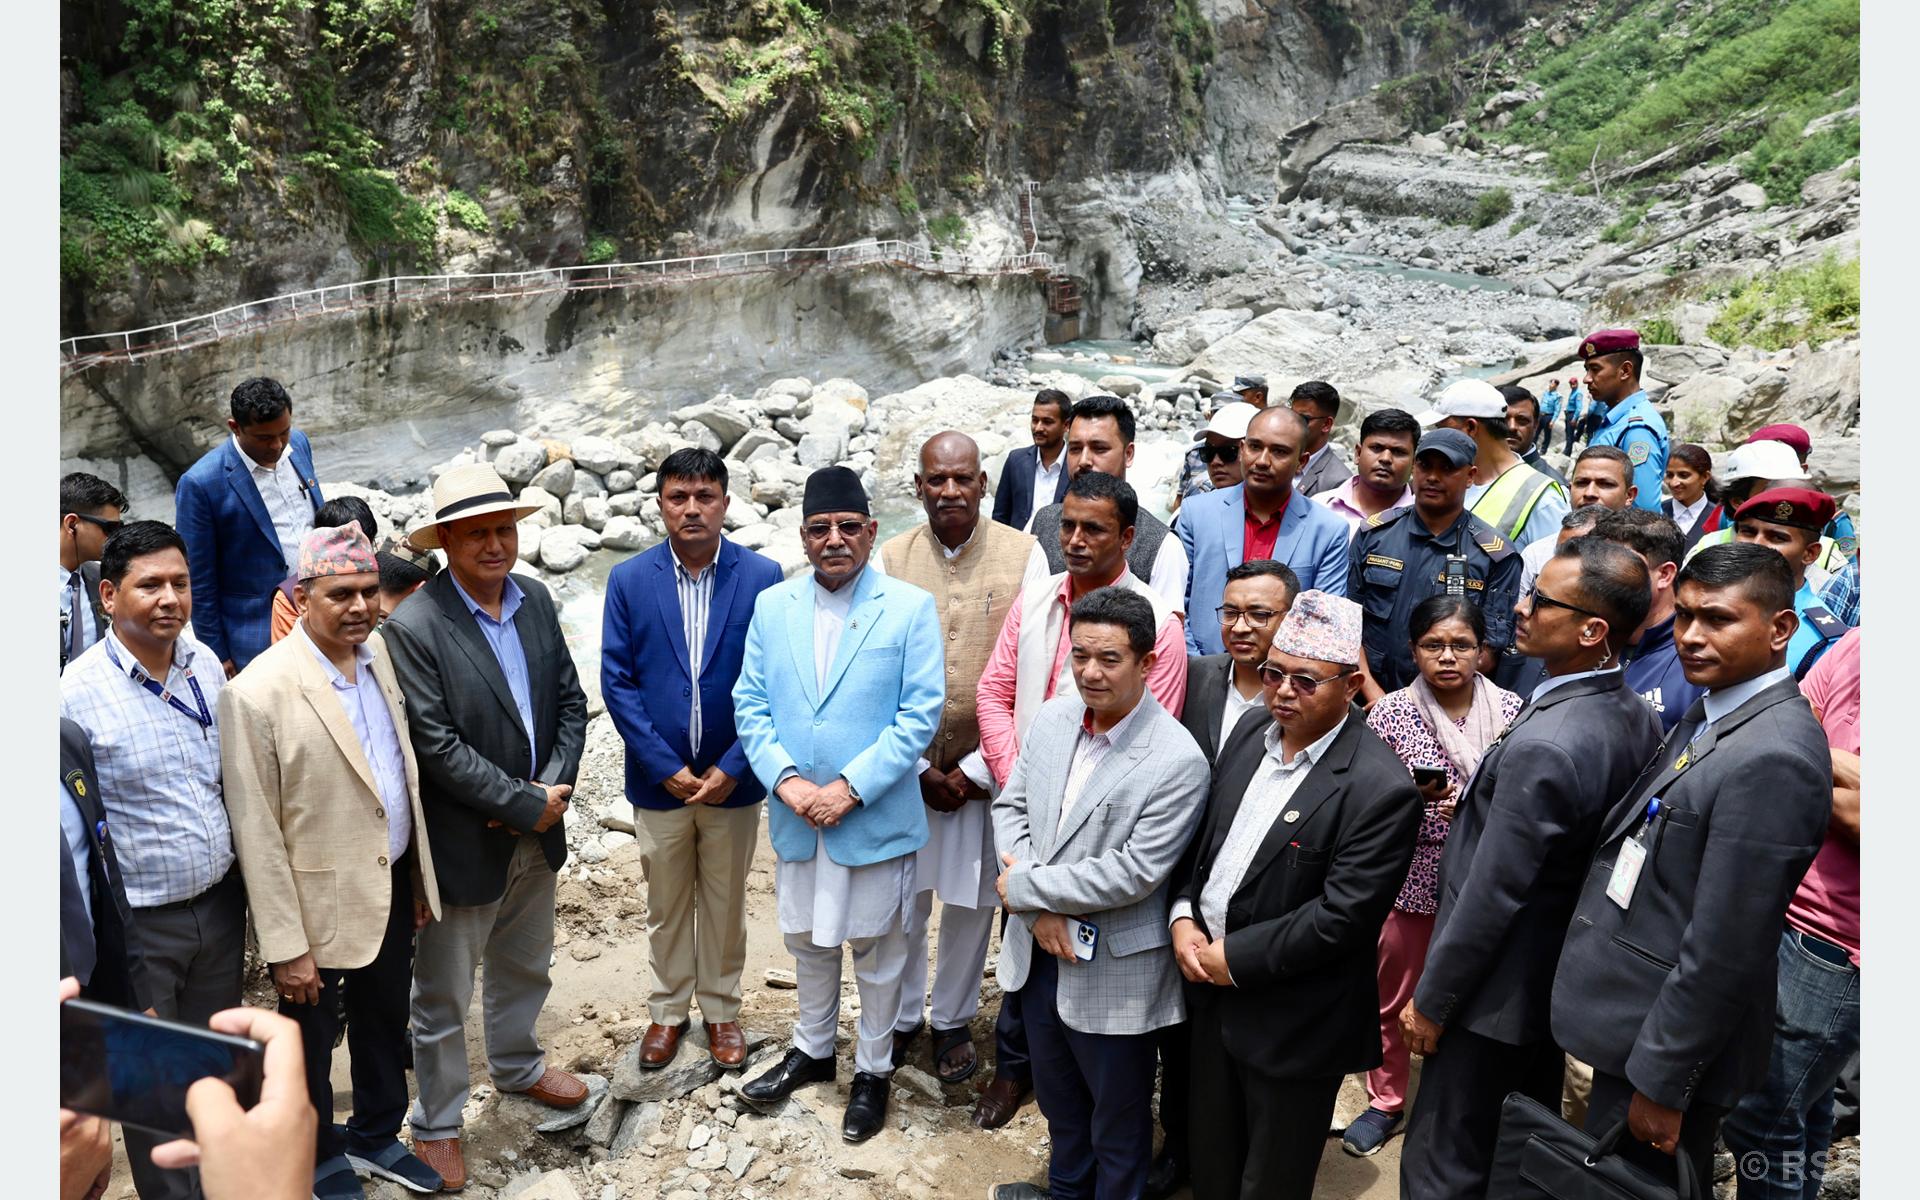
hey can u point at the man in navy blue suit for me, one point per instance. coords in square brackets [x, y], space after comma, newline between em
[674, 629]
[243, 509]
[1037, 470]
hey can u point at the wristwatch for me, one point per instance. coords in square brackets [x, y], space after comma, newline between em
[854, 792]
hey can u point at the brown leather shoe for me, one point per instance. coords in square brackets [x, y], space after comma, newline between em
[660, 1044]
[726, 1043]
[998, 1102]
[443, 1155]
[558, 1089]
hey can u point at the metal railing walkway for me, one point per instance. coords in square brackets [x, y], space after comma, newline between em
[87, 350]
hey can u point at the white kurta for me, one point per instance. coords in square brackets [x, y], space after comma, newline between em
[829, 902]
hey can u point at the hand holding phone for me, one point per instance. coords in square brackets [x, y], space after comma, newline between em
[135, 1069]
[264, 1152]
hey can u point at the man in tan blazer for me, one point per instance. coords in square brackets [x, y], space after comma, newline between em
[324, 801]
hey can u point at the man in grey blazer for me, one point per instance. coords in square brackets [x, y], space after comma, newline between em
[498, 724]
[1103, 798]
[1516, 853]
[1666, 983]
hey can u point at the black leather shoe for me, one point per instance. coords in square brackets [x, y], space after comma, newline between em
[1167, 1176]
[796, 1070]
[866, 1107]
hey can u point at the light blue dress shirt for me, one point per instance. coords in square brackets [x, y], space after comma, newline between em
[504, 640]
[366, 708]
[73, 827]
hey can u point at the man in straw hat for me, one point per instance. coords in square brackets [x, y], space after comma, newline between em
[324, 799]
[841, 688]
[1305, 842]
[498, 722]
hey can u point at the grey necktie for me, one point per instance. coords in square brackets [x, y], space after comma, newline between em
[76, 632]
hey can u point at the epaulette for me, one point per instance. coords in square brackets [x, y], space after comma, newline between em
[1389, 516]
[1489, 539]
[1829, 627]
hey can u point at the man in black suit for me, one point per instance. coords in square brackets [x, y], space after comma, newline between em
[1517, 851]
[498, 723]
[1039, 469]
[1666, 983]
[1305, 843]
[96, 946]
[1222, 689]
[90, 511]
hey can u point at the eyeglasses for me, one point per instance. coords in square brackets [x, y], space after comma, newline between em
[1535, 598]
[1458, 649]
[108, 527]
[1305, 685]
[1227, 452]
[1259, 618]
[818, 531]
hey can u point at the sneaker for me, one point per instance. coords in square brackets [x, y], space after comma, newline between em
[396, 1163]
[333, 1179]
[1370, 1131]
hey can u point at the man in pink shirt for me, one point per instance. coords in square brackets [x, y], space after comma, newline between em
[1030, 665]
[1779, 1134]
[1383, 462]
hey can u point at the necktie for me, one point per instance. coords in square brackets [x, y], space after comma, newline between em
[76, 632]
[1692, 722]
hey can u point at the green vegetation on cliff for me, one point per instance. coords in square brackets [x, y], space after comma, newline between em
[1783, 308]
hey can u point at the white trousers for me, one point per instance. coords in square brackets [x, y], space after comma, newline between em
[958, 969]
[878, 963]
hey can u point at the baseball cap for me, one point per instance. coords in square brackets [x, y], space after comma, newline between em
[1465, 398]
[1458, 447]
[1231, 420]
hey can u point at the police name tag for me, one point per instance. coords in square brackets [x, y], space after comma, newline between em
[1086, 936]
[1626, 871]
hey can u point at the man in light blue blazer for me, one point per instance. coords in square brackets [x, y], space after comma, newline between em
[1262, 517]
[841, 688]
[686, 603]
[243, 510]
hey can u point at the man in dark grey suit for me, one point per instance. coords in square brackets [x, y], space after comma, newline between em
[1666, 983]
[1036, 476]
[1517, 851]
[90, 511]
[498, 723]
[97, 945]
[1258, 594]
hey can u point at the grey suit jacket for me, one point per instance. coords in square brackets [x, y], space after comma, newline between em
[1207, 703]
[1109, 865]
[1330, 470]
[1675, 992]
[468, 738]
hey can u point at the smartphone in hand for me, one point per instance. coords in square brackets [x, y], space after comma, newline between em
[1429, 775]
[135, 1069]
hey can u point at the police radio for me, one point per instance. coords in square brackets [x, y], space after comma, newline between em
[1456, 574]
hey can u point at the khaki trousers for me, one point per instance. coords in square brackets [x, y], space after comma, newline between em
[696, 860]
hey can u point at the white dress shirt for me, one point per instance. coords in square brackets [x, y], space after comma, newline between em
[1237, 707]
[1046, 478]
[285, 495]
[1686, 516]
[1721, 701]
[1553, 681]
[974, 764]
[830, 611]
[1273, 786]
[1090, 749]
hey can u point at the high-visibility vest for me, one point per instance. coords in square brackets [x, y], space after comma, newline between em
[1509, 501]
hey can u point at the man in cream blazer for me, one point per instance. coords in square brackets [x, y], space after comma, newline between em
[324, 801]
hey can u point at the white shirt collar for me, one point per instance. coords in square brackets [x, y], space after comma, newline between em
[957, 551]
[255, 467]
[1554, 681]
[1312, 753]
[839, 602]
[130, 666]
[1119, 727]
[362, 657]
[1722, 701]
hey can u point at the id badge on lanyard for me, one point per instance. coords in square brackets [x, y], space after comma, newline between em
[1633, 856]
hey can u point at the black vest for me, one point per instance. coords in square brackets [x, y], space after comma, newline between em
[1148, 532]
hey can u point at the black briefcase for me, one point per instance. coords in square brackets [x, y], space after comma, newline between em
[1541, 1157]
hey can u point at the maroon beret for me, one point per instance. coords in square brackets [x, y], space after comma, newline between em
[1609, 341]
[1802, 508]
[1791, 435]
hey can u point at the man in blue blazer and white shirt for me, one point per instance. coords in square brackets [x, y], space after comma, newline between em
[1262, 517]
[243, 509]
[685, 604]
[841, 688]
[1040, 469]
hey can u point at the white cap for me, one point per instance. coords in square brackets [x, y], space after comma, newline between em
[1466, 398]
[1231, 420]
[1763, 460]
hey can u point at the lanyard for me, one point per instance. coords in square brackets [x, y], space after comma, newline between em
[204, 717]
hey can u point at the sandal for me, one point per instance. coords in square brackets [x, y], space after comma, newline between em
[945, 1042]
[903, 1042]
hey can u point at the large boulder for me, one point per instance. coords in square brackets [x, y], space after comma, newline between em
[520, 462]
[756, 439]
[624, 532]
[701, 434]
[727, 423]
[556, 478]
[550, 512]
[1265, 345]
[1183, 340]
[599, 455]
[563, 548]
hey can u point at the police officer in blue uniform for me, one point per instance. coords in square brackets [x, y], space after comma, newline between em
[1789, 520]
[1436, 547]
[1631, 423]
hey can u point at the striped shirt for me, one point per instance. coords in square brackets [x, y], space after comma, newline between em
[1090, 749]
[158, 769]
[696, 601]
[503, 638]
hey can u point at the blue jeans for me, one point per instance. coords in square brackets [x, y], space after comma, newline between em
[1779, 1134]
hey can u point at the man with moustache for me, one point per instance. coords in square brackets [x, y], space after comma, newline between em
[972, 567]
[696, 805]
[1524, 415]
[1222, 689]
[324, 796]
[840, 690]
[498, 723]
[147, 697]
[1036, 475]
[1307, 836]
[1264, 517]
[1789, 521]
[1667, 980]
[1521, 839]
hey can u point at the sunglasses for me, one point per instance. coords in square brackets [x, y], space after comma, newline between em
[1536, 598]
[1305, 685]
[108, 527]
[819, 530]
[1229, 452]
